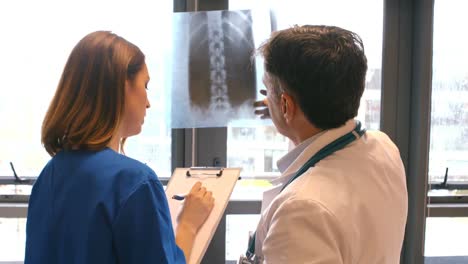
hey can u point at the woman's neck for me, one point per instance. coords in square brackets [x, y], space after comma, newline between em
[114, 144]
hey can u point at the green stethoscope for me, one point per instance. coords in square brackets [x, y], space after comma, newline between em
[321, 154]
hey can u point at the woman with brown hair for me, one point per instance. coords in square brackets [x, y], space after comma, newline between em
[91, 204]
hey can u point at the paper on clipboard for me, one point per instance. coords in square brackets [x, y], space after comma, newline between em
[219, 181]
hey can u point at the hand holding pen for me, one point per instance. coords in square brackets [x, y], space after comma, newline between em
[198, 204]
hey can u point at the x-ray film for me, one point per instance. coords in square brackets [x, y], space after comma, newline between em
[215, 73]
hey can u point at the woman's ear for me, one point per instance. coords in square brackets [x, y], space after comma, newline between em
[128, 84]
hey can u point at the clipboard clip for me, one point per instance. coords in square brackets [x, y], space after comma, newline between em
[218, 171]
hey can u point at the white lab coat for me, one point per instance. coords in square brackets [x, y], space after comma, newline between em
[350, 208]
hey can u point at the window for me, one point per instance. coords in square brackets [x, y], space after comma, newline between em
[38, 36]
[237, 236]
[260, 145]
[446, 236]
[13, 239]
[448, 151]
[449, 112]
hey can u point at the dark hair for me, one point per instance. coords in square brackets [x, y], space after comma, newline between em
[88, 104]
[322, 67]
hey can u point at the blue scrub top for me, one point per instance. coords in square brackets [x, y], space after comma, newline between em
[99, 207]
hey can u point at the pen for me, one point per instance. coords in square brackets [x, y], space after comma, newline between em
[178, 197]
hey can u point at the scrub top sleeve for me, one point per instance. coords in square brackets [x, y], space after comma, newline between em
[143, 231]
[303, 231]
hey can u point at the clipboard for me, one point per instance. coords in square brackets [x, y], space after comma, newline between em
[220, 181]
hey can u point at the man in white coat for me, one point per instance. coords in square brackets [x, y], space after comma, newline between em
[341, 196]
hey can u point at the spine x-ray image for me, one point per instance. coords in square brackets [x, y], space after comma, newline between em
[214, 78]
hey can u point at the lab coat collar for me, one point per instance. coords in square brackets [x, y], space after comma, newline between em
[284, 162]
[293, 160]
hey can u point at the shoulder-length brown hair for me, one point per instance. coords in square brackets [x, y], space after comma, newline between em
[88, 104]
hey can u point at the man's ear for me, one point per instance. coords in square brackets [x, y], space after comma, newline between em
[288, 106]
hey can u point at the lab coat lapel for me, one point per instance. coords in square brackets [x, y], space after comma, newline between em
[270, 194]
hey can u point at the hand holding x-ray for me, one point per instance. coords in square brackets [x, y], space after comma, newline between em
[261, 107]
